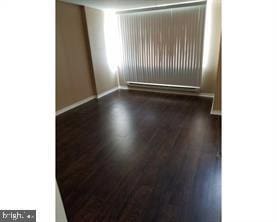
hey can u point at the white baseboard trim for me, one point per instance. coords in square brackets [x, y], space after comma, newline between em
[81, 102]
[123, 87]
[74, 105]
[216, 112]
[208, 95]
[106, 92]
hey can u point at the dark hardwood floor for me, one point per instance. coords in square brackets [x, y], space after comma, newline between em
[139, 156]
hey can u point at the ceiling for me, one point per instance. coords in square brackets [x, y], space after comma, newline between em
[123, 4]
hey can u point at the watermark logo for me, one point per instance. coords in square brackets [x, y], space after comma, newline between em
[17, 216]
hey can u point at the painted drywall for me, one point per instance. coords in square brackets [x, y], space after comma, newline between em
[105, 79]
[74, 72]
[211, 46]
[217, 98]
[60, 212]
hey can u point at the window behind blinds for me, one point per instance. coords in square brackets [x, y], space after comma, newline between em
[163, 46]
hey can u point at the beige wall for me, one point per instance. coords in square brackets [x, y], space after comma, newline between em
[74, 72]
[217, 98]
[105, 79]
[211, 46]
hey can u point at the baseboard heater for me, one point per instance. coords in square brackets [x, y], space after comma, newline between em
[163, 86]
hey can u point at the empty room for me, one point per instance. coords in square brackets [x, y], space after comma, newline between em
[138, 110]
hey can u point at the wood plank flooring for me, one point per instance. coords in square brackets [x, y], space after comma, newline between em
[140, 156]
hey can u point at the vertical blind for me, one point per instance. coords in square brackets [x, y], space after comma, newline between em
[163, 46]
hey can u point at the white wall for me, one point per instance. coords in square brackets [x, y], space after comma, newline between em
[211, 46]
[105, 79]
[60, 213]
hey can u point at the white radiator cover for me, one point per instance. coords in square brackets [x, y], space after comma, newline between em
[163, 46]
